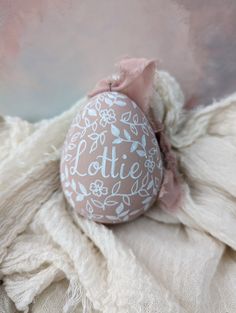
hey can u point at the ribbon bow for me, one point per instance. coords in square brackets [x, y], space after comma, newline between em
[135, 79]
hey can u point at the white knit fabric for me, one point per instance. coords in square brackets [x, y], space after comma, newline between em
[53, 261]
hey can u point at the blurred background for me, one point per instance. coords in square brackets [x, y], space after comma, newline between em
[53, 51]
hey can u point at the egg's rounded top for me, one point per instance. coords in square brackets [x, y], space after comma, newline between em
[111, 165]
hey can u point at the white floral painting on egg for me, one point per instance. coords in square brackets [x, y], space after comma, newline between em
[111, 166]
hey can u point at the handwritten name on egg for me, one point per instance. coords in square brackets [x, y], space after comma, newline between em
[105, 164]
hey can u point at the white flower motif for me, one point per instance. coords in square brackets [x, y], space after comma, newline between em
[107, 117]
[149, 164]
[97, 188]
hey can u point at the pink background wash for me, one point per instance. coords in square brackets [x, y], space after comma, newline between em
[52, 51]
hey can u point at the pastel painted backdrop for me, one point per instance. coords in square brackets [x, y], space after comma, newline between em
[53, 51]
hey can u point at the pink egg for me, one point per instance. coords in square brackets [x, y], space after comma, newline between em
[111, 165]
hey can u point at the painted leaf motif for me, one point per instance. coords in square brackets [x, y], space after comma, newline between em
[159, 164]
[88, 206]
[97, 105]
[135, 118]
[125, 116]
[152, 151]
[145, 179]
[73, 185]
[150, 184]
[134, 146]
[110, 202]
[112, 217]
[146, 206]
[126, 199]
[108, 101]
[97, 216]
[83, 189]
[102, 138]
[94, 126]
[117, 141]
[68, 157]
[83, 132]
[147, 200]
[134, 188]
[92, 112]
[62, 177]
[93, 147]
[101, 96]
[141, 153]
[66, 171]
[120, 208]
[144, 140]
[83, 113]
[116, 187]
[127, 135]
[122, 96]
[110, 95]
[115, 131]
[86, 121]
[67, 184]
[156, 180]
[133, 129]
[134, 104]
[124, 213]
[120, 103]
[71, 146]
[93, 136]
[79, 197]
[75, 136]
[98, 203]
[143, 193]
[68, 193]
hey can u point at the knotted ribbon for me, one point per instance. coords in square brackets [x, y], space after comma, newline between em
[135, 79]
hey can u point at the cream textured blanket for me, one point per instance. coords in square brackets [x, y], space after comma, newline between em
[53, 261]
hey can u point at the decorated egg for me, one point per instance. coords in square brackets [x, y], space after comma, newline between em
[111, 165]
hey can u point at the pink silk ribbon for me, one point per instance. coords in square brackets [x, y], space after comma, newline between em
[135, 80]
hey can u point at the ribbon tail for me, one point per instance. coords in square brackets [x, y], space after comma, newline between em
[170, 192]
[134, 79]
